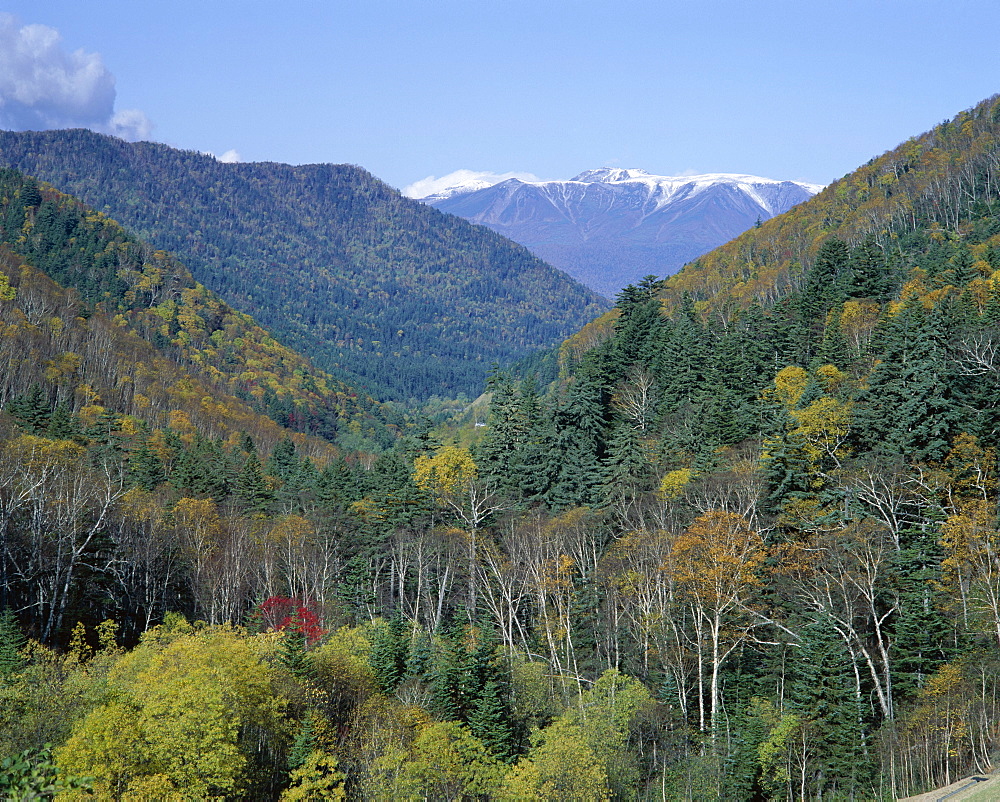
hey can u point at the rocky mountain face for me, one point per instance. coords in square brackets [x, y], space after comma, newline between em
[610, 227]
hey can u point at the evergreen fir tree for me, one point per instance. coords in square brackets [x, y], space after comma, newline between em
[30, 195]
[575, 462]
[449, 677]
[819, 687]
[304, 743]
[336, 484]
[825, 282]
[641, 325]
[907, 411]
[293, 654]
[421, 656]
[626, 470]
[963, 267]
[498, 452]
[107, 442]
[683, 361]
[32, 409]
[787, 471]
[247, 445]
[536, 471]
[283, 461]
[833, 349]
[145, 468]
[390, 654]
[871, 276]
[492, 721]
[252, 488]
[922, 640]
[63, 424]
[738, 371]
[11, 643]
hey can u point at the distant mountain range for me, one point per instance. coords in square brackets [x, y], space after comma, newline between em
[379, 289]
[610, 227]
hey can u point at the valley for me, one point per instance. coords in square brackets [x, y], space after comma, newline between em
[738, 541]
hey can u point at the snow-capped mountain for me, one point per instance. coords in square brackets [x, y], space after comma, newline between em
[610, 227]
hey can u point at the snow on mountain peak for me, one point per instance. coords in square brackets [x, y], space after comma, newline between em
[610, 226]
[459, 182]
[664, 187]
[607, 175]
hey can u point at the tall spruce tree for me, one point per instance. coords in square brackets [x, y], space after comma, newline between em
[32, 409]
[827, 279]
[11, 643]
[390, 654]
[871, 276]
[907, 411]
[575, 462]
[252, 488]
[820, 688]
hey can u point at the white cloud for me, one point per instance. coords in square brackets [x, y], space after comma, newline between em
[460, 178]
[43, 86]
[231, 156]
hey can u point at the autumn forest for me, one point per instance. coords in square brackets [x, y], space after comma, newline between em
[737, 539]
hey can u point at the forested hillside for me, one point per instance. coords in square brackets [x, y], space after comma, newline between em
[153, 295]
[930, 182]
[374, 287]
[741, 550]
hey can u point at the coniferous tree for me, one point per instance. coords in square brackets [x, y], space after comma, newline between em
[390, 654]
[575, 462]
[493, 722]
[63, 424]
[962, 267]
[787, 471]
[684, 360]
[304, 743]
[32, 409]
[627, 470]
[825, 282]
[833, 349]
[252, 487]
[536, 470]
[499, 451]
[283, 461]
[293, 652]
[11, 643]
[870, 274]
[641, 325]
[906, 411]
[108, 442]
[819, 687]
[421, 656]
[30, 195]
[145, 468]
[449, 677]
[922, 640]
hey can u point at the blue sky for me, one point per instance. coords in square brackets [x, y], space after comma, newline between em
[789, 89]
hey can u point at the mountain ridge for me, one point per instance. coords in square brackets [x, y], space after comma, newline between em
[608, 227]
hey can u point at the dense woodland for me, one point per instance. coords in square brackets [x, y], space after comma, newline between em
[744, 547]
[380, 290]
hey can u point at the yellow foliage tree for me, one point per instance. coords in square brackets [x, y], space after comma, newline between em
[562, 767]
[716, 563]
[187, 711]
[972, 561]
[452, 478]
